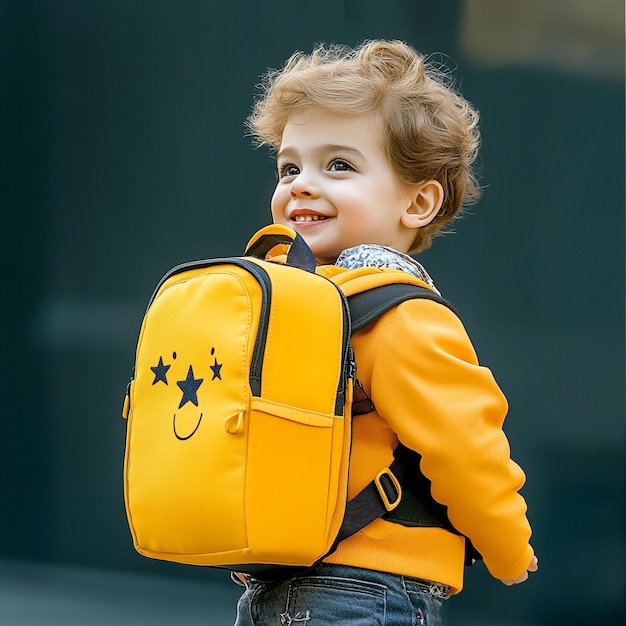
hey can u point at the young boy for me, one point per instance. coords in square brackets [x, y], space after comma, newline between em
[374, 158]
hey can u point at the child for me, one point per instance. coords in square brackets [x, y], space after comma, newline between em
[374, 159]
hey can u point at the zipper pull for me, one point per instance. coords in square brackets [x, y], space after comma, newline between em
[351, 364]
[126, 406]
[235, 423]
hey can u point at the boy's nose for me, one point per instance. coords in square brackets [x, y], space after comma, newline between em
[303, 186]
[300, 193]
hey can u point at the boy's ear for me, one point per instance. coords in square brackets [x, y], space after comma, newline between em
[427, 200]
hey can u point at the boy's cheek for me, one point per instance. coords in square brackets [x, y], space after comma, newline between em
[277, 206]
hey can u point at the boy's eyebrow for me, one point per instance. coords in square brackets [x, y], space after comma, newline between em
[322, 149]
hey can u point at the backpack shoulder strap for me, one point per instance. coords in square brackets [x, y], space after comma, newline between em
[366, 306]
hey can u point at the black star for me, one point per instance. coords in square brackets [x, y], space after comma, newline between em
[160, 371]
[217, 368]
[189, 387]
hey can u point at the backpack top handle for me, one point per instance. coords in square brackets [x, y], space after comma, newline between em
[298, 255]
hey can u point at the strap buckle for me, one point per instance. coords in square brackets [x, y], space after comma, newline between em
[389, 488]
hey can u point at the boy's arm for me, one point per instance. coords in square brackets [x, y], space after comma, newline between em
[427, 384]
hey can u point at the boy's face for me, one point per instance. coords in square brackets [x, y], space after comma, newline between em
[336, 187]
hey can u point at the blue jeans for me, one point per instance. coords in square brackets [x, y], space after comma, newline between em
[342, 595]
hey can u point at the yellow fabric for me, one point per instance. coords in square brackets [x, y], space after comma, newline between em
[420, 369]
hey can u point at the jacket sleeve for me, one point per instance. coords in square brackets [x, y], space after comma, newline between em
[428, 386]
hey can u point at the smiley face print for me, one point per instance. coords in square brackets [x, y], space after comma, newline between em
[189, 387]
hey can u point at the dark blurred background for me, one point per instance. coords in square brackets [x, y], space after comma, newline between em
[124, 154]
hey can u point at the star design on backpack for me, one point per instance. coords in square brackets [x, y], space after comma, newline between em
[216, 367]
[160, 371]
[189, 387]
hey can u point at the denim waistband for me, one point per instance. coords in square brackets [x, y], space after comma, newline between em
[438, 590]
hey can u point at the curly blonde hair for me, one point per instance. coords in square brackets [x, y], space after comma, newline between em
[430, 132]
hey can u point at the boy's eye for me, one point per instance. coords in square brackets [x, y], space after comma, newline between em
[339, 165]
[287, 170]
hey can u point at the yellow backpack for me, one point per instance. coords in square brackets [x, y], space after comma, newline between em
[239, 411]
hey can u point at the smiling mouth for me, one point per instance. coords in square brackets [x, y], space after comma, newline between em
[185, 437]
[300, 219]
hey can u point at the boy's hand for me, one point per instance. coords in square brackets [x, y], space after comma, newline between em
[533, 567]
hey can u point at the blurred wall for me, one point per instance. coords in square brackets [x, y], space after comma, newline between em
[125, 154]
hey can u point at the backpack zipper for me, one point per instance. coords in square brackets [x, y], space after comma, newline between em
[347, 355]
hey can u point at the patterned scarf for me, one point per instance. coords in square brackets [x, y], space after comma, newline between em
[373, 255]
